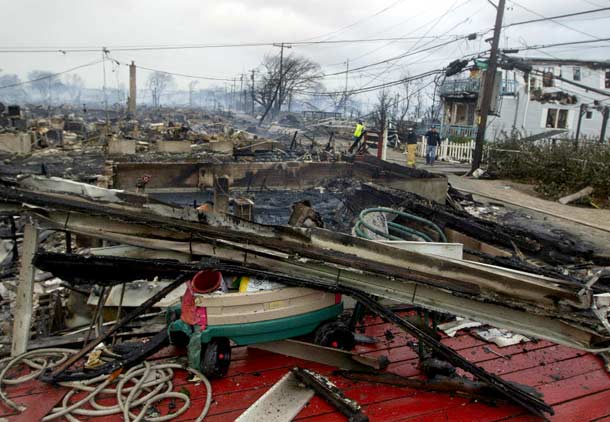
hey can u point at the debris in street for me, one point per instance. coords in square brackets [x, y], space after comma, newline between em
[501, 337]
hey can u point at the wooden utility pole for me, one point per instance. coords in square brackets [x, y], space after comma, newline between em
[345, 91]
[605, 115]
[131, 103]
[280, 96]
[252, 89]
[581, 112]
[488, 87]
[242, 97]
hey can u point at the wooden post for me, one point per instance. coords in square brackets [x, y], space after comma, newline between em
[23, 310]
[243, 208]
[221, 194]
[581, 112]
[605, 115]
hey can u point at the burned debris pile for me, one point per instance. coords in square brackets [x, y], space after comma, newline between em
[198, 257]
[198, 239]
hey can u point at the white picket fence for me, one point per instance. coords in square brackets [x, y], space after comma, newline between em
[449, 151]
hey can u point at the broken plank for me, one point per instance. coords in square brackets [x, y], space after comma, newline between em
[25, 292]
[281, 403]
[325, 355]
[576, 195]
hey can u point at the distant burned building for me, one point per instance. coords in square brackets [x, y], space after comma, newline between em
[529, 98]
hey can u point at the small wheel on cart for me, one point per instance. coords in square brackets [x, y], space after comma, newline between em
[216, 358]
[335, 334]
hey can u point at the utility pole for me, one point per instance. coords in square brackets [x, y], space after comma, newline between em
[280, 97]
[345, 91]
[131, 103]
[233, 98]
[605, 115]
[488, 90]
[581, 112]
[252, 90]
[241, 93]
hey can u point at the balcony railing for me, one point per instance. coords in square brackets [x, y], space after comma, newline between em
[469, 87]
[461, 87]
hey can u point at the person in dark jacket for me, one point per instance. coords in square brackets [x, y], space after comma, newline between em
[433, 140]
[411, 147]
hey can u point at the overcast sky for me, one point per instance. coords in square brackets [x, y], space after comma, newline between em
[113, 23]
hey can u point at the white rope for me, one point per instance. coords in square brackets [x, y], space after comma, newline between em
[151, 383]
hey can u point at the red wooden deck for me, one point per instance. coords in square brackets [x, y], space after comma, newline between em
[573, 382]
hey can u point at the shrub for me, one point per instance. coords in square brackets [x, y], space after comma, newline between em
[555, 166]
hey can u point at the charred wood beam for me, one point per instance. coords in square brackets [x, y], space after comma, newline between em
[326, 246]
[331, 394]
[569, 328]
[455, 385]
[92, 269]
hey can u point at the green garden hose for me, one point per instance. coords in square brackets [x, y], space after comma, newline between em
[395, 227]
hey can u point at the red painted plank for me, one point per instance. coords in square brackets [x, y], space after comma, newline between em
[37, 408]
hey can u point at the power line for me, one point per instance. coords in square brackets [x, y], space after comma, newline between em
[90, 49]
[330, 34]
[375, 87]
[52, 75]
[552, 18]
[401, 56]
[543, 18]
[205, 78]
[561, 44]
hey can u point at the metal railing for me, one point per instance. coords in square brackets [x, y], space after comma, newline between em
[463, 86]
[472, 86]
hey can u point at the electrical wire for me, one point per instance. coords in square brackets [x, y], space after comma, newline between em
[359, 21]
[544, 18]
[561, 44]
[65, 50]
[553, 18]
[52, 75]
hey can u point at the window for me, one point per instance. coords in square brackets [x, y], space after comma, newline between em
[607, 79]
[576, 73]
[557, 118]
[589, 115]
[547, 79]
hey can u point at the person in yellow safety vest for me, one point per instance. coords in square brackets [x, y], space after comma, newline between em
[411, 147]
[358, 131]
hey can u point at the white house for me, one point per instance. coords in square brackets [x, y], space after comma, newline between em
[531, 102]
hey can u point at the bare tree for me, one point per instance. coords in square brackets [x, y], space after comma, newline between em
[158, 82]
[74, 85]
[381, 110]
[13, 91]
[43, 82]
[299, 74]
[192, 86]
[433, 112]
[341, 100]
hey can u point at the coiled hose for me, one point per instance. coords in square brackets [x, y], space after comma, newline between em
[151, 383]
[395, 227]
